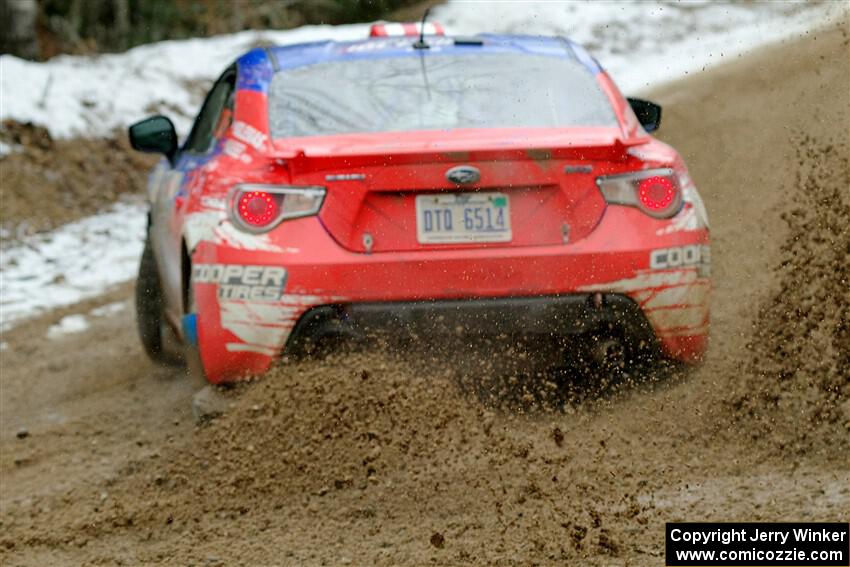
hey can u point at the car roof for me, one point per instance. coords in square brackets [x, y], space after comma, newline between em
[257, 67]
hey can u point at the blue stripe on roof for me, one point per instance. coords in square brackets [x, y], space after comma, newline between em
[584, 57]
[256, 69]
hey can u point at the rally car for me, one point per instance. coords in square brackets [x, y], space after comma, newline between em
[491, 184]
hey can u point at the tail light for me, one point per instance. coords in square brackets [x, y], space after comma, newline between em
[258, 208]
[654, 191]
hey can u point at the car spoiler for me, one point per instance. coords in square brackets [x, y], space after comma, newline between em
[301, 159]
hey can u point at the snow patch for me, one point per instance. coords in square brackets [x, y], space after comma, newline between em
[68, 325]
[6, 149]
[74, 262]
[108, 309]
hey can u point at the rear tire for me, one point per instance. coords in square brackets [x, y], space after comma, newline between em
[150, 307]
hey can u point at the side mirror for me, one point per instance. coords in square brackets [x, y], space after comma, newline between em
[155, 135]
[648, 113]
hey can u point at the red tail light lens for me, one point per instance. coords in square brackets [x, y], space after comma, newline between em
[655, 191]
[258, 208]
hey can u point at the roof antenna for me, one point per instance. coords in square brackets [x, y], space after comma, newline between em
[421, 43]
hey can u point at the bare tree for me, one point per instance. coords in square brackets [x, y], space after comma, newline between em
[17, 28]
[122, 23]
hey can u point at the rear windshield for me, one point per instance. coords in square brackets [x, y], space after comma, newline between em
[435, 92]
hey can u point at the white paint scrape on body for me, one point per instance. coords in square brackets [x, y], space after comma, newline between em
[211, 224]
[264, 327]
[200, 226]
[227, 234]
[674, 301]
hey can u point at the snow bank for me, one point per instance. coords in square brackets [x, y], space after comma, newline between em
[79, 260]
[90, 96]
[641, 44]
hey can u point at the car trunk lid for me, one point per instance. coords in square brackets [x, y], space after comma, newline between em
[394, 192]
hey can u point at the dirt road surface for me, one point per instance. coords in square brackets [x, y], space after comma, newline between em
[378, 459]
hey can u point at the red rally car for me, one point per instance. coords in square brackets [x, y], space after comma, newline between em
[489, 184]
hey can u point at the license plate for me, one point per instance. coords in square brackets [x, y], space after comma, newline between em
[463, 217]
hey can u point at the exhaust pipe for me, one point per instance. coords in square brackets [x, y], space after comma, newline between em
[608, 352]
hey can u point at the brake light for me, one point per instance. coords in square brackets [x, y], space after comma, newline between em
[259, 208]
[654, 191]
[386, 29]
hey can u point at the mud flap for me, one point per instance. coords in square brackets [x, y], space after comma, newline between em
[190, 329]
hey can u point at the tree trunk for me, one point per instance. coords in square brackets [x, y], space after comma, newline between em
[17, 28]
[122, 23]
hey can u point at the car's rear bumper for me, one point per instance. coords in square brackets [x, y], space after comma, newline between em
[510, 316]
[529, 289]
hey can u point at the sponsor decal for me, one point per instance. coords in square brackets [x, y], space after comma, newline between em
[233, 149]
[345, 177]
[248, 134]
[235, 281]
[679, 256]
